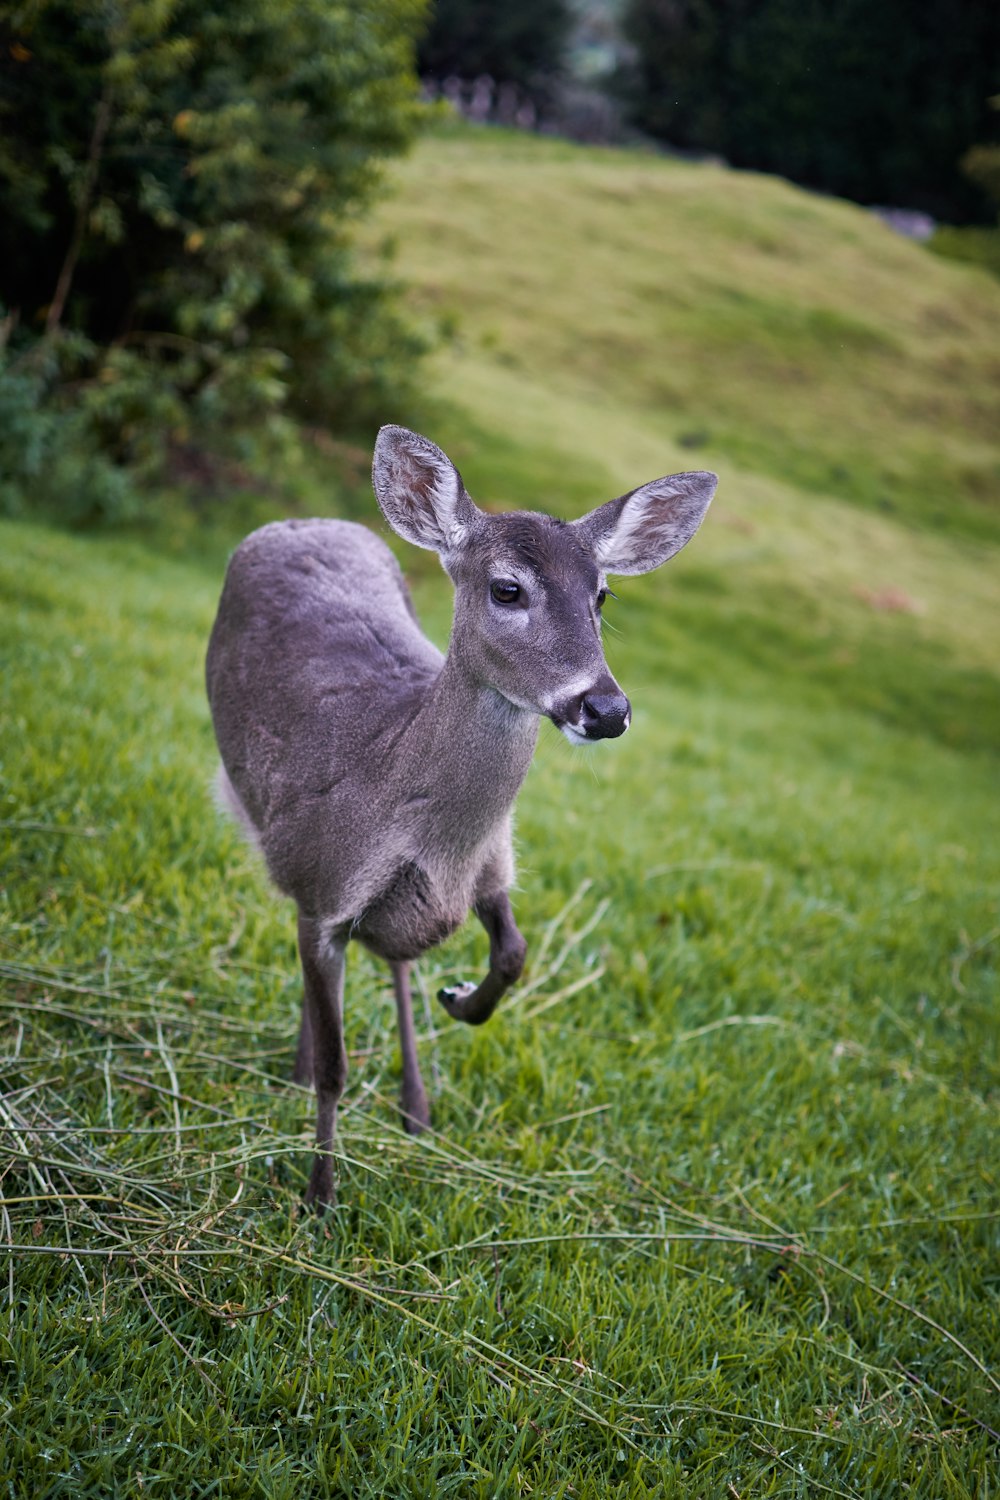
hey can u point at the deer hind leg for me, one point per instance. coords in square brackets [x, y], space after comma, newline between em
[413, 1098]
[476, 1003]
[322, 1037]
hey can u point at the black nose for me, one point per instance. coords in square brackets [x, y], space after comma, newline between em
[604, 716]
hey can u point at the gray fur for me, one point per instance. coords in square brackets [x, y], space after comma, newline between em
[376, 776]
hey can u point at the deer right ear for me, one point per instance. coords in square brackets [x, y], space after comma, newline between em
[419, 490]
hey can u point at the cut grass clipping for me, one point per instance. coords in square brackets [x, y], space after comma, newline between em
[710, 1207]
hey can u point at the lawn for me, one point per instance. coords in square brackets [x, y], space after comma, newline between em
[711, 1207]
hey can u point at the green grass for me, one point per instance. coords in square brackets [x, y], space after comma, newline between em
[975, 244]
[711, 1208]
[620, 305]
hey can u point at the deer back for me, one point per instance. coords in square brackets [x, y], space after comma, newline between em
[316, 665]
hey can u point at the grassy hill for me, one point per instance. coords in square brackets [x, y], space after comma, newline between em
[615, 307]
[712, 1204]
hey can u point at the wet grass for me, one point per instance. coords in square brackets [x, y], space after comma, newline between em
[711, 1202]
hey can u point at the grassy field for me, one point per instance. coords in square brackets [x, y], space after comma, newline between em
[711, 1206]
[617, 307]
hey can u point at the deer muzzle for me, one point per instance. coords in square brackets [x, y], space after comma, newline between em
[601, 713]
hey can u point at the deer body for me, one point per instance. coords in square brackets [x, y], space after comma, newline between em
[378, 777]
[360, 762]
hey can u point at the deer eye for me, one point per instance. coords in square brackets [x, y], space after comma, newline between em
[504, 591]
[602, 594]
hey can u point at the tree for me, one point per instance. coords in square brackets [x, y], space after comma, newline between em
[179, 185]
[514, 41]
[874, 102]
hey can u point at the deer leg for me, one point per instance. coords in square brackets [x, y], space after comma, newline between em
[413, 1098]
[323, 975]
[303, 1069]
[476, 1003]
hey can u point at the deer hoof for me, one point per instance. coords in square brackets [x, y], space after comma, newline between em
[454, 994]
[321, 1193]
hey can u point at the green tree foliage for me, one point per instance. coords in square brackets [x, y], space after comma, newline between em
[514, 41]
[872, 102]
[179, 183]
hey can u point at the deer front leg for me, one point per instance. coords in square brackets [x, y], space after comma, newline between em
[323, 1035]
[476, 1003]
[413, 1098]
[302, 1072]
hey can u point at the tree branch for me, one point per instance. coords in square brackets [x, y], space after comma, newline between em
[101, 122]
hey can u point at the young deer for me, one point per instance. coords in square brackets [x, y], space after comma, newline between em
[378, 777]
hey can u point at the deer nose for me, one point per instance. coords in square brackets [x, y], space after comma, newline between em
[604, 716]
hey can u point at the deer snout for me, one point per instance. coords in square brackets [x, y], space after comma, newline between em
[604, 716]
[601, 712]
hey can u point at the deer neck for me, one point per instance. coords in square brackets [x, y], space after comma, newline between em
[467, 750]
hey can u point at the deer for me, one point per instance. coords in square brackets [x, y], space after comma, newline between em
[377, 776]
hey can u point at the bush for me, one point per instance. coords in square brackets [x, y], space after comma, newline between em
[51, 458]
[975, 244]
[179, 186]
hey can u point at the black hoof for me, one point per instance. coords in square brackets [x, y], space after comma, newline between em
[454, 994]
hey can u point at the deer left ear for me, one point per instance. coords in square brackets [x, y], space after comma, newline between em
[639, 531]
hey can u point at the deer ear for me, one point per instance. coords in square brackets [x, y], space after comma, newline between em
[419, 490]
[638, 532]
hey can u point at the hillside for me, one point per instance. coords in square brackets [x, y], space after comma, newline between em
[613, 303]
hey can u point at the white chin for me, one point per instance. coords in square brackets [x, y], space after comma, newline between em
[575, 736]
